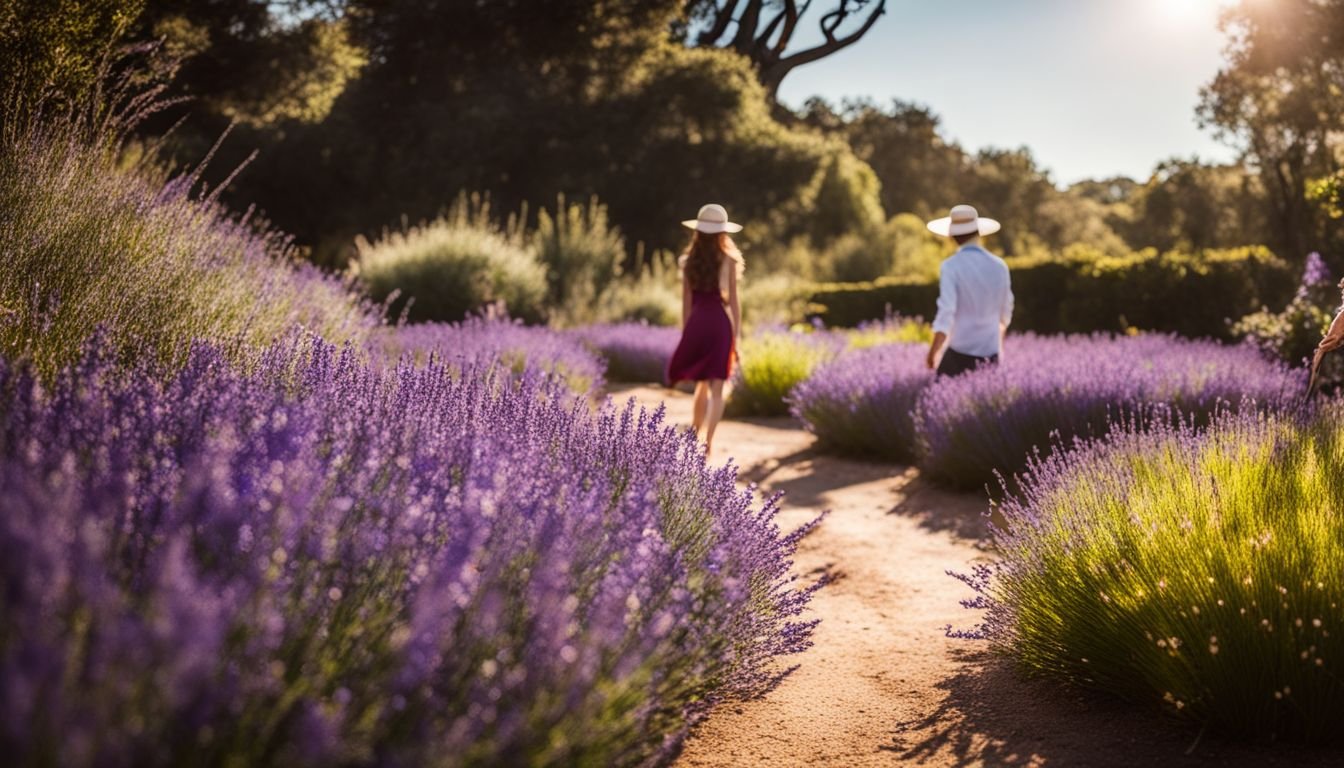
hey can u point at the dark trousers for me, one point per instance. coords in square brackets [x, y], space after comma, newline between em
[955, 363]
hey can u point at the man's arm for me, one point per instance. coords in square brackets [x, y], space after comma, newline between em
[939, 339]
[947, 312]
[1006, 311]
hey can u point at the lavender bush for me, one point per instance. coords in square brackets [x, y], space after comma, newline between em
[1194, 571]
[323, 562]
[862, 403]
[633, 351]
[775, 360]
[1052, 389]
[485, 339]
[88, 241]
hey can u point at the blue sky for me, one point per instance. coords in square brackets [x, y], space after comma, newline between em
[1094, 87]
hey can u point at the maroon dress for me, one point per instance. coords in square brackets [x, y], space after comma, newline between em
[706, 347]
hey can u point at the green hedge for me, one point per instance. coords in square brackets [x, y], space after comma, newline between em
[1082, 290]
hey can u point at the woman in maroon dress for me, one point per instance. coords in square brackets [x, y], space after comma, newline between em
[711, 317]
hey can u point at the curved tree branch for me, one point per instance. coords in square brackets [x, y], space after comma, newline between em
[723, 17]
[763, 30]
[775, 73]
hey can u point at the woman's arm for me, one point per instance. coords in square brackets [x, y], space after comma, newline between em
[685, 301]
[734, 306]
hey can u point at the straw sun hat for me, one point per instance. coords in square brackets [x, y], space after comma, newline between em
[963, 221]
[712, 220]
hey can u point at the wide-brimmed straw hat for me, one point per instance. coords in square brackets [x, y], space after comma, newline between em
[712, 220]
[964, 220]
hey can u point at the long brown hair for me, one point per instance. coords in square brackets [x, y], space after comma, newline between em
[704, 259]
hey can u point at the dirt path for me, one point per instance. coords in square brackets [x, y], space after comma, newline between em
[882, 685]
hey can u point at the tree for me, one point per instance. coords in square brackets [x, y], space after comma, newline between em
[57, 49]
[525, 101]
[1189, 205]
[1006, 184]
[919, 169]
[1278, 100]
[762, 30]
[255, 62]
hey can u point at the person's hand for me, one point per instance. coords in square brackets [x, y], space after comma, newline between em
[930, 362]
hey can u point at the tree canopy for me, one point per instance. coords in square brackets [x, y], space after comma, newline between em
[1280, 99]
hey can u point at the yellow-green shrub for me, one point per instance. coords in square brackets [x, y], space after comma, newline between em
[453, 266]
[1196, 574]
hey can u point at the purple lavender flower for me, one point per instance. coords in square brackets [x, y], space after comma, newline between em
[1314, 274]
[482, 340]
[861, 404]
[1051, 390]
[635, 352]
[321, 561]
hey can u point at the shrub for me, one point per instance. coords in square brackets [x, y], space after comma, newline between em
[1198, 573]
[1292, 335]
[484, 340]
[861, 403]
[772, 298]
[893, 330]
[848, 304]
[651, 295]
[1050, 390]
[326, 563]
[632, 351]
[580, 249]
[772, 363]
[1083, 290]
[88, 241]
[454, 266]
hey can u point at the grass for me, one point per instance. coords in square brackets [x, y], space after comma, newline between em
[89, 242]
[1197, 574]
[771, 364]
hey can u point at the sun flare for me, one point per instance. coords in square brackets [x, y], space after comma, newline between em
[1186, 11]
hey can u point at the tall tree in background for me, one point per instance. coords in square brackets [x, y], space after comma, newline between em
[763, 30]
[1280, 100]
[259, 63]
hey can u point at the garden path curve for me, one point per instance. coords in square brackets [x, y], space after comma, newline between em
[882, 686]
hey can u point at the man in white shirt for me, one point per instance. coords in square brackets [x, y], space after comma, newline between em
[975, 299]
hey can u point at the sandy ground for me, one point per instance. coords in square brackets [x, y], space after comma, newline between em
[882, 685]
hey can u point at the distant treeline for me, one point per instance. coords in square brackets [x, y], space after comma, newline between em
[371, 113]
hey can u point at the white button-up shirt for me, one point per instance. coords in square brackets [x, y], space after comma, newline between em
[975, 296]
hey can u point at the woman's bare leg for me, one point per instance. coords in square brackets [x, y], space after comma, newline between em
[715, 412]
[701, 404]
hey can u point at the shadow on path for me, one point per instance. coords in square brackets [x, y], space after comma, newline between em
[940, 510]
[992, 714]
